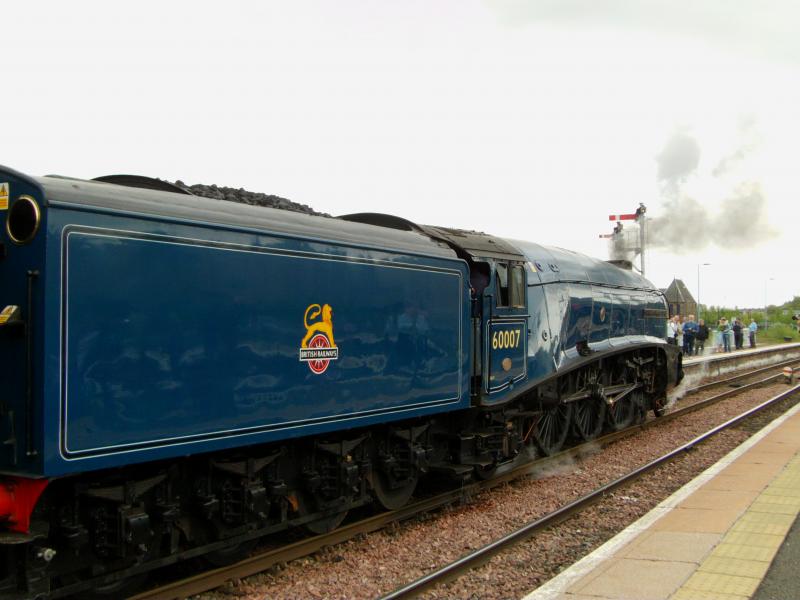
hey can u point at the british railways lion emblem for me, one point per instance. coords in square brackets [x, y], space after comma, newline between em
[318, 348]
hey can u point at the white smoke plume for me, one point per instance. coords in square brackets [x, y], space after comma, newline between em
[622, 246]
[687, 224]
[678, 160]
[691, 379]
[749, 139]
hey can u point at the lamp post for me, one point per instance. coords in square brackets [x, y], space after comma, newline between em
[699, 310]
[766, 314]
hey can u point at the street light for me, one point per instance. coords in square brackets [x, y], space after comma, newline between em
[699, 310]
[766, 314]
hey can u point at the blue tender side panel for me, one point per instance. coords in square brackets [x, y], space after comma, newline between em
[175, 339]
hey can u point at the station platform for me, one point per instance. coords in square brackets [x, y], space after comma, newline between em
[714, 539]
[710, 356]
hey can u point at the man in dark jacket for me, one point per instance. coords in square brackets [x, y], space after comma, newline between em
[700, 337]
[689, 330]
[738, 338]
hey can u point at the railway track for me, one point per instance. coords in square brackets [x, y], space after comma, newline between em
[214, 578]
[737, 378]
[484, 554]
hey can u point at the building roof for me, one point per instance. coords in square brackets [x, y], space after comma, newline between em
[677, 292]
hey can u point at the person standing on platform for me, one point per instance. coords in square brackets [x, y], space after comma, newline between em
[679, 332]
[752, 328]
[725, 330]
[700, 337]
[738, 338]
[672, 331]
[689, 331]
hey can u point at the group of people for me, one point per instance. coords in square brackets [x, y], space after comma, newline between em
[691, 336]
[688, 334]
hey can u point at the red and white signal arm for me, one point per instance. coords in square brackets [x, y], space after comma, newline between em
[628, 217]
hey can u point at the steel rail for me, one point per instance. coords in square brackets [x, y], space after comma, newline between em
[482, 555]
[214, 578]
[592, 446]
[712, 384]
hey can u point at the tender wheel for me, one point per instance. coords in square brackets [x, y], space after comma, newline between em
[229, 556]
[393, 494]
[119, 589]
[588, 418]
[306, 506]
[552, 429]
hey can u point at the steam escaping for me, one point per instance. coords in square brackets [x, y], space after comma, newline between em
[687, 224]
[561, 465]
[687, 383]
[678, 159]
[744, 217]
[683, 227]
[623, 245]
[749, 139]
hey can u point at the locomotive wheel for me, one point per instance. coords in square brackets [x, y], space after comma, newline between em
[588, 418]
[641, 406]
[623, 413]
[392, 498]
[552, 429]
[305, 506]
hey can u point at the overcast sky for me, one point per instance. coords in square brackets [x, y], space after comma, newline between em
[529, 120]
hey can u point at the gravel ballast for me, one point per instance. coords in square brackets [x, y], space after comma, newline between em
[380, 562]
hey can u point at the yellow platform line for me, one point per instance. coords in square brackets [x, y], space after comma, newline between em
[735, 567]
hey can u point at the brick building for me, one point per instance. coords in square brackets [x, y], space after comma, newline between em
[680, 301]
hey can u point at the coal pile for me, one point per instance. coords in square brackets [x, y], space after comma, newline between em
[246, 197]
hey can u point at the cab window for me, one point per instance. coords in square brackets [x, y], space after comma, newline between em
[517, 295]
[510, 285]
[501, 284]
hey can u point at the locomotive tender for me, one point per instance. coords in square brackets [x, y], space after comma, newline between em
[181, 376]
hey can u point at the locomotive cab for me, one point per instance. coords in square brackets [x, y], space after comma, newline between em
[505, 340]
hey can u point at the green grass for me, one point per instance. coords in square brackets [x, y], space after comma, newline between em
[777, 332]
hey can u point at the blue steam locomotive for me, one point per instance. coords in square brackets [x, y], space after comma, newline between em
[181, 376]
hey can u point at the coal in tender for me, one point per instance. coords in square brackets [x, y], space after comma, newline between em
[246, 197]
